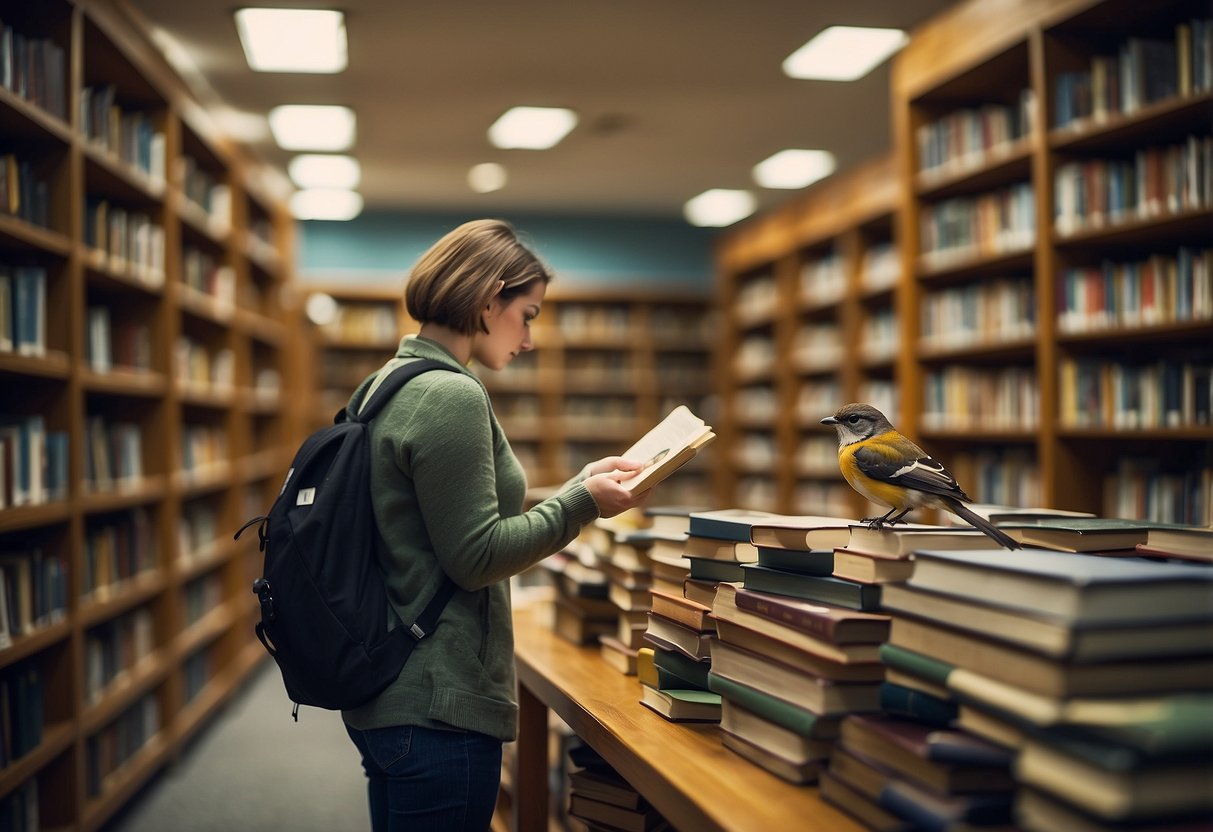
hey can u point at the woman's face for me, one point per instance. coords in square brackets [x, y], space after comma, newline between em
[509, 328]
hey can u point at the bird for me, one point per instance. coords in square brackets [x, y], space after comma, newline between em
[889, 469]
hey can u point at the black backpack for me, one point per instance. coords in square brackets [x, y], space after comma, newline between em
[324, 604]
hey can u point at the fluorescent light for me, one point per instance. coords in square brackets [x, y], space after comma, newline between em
[719, 207]
[312, 127]
[315, 170]
[293, 40]
[321, 309]
[843, 53]
[532, 128]
[486, 177]
[326, 204]
[794, 168]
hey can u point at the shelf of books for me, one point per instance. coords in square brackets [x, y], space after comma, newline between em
[142, 354]
[812, 289]
[1056, 233]
[607, 366]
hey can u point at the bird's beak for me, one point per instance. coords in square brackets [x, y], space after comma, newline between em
[829, 420]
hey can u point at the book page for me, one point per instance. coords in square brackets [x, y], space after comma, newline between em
[667, 447]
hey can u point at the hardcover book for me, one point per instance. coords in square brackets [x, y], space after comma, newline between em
[749, 726]
[786, 714]
[836, 624]
[793, 656]
[801, 561]
[791, 770]
[825, 589]
[683, 610]
[682, 705]
[1054, 636]
[727, 523]
[902, 541]
[1078, 534]
[1083, 589]
[822, 696]
[807, 532]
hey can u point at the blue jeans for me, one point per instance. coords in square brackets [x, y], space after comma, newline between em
[421, 779]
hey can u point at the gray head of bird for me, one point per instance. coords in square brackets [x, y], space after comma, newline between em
[855, 422]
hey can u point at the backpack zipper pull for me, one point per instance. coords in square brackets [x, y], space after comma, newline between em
[295, 711]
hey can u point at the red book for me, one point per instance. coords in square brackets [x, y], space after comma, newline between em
[835, 624]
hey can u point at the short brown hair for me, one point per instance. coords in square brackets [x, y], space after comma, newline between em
[457, 277]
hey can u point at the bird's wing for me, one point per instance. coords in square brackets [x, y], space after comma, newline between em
[888, 462]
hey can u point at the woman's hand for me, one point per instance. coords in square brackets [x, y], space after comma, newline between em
[612, 463]
[611, 497]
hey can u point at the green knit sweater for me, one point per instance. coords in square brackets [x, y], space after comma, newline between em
[448, 495]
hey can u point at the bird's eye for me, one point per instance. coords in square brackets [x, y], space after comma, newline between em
[854, 420]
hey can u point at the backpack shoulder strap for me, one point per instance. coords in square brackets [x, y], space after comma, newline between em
[390, 386]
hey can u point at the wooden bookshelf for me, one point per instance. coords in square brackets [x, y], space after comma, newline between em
[812, 294]
[607, 366]
[1009, 366]
[148, 392]
[1025, 412]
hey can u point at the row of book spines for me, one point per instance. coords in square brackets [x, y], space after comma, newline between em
[126, 344]
[35, 591]
[23, 194]
[22, 710]
[1162, 289]
[1114, 394]
[23, 309]
[118, 742]
[992, 310]
[118, 551]
[197, 670]
[130, 238]
[1160, 496]
[196, 363]
[202, 596]
[33, 462]
[131, 135]
[114, 648]
[34, 69]
[958, 396]
[363, 322]
[1141, 72]
[203, 446]
[974, 132]
[19, 808]
[114, 454]
[989, 223]
[1157, 181]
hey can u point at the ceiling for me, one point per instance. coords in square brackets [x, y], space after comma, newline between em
[674, 96]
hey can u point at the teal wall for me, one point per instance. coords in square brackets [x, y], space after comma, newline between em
[602, 252]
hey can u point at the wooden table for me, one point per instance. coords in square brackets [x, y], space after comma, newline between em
[680, 768]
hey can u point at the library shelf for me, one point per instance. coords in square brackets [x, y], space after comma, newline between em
[145, 279]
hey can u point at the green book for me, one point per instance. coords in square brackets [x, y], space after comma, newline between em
[795, 719]
[823, 589]
[727, 523]
[899, 700]
[708, 569]
[672, 665]
[803, 562]
[916, 664]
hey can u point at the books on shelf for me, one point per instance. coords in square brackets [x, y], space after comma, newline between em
[817, 694]
[671, 635]
[682, 705]
[793, 770]
[823, 589]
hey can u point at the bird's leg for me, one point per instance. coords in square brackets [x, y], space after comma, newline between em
[877, 522]
[900, 517]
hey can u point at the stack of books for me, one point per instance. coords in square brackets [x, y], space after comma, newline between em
[582, 610]
[787, 671]
[679, 634]
[601, 799]
[630, 576]
[894, 774]
[1089, 668]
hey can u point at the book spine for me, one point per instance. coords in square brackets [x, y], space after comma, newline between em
[902, 701]
[793, 615]
[795, 719]
[916, 664]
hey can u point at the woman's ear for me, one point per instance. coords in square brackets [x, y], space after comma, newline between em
[496, 293]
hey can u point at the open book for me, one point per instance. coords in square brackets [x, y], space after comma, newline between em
[667, 447]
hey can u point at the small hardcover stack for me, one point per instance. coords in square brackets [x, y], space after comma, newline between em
[1094, 671]
[582, 609]
[602, 799]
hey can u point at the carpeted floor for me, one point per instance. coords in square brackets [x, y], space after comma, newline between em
[252, 769]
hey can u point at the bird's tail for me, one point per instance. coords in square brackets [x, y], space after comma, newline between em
[963, 512]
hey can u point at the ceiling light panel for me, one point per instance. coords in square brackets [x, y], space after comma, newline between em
[318, 170]
[794, 168]
[719, 207]
[293, 40]
[486, 177]
[532, 128]
[312, 127]
[843, 53]
[325, 204]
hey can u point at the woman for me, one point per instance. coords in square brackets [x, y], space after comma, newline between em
[448, 495]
